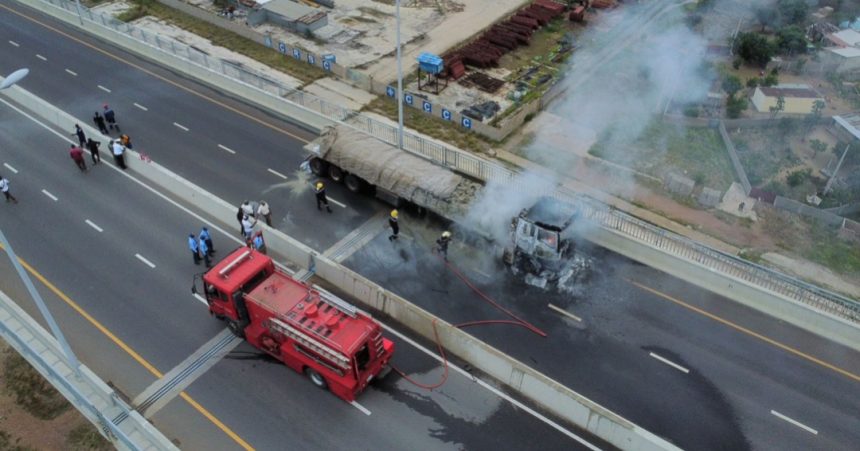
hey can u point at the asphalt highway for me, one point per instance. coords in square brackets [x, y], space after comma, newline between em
[683, 363]
[115, 252]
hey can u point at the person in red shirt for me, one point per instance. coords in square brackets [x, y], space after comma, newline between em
[77, 155]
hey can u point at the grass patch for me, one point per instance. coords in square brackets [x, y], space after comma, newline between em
[7, 443]
[751, 255]
[430, 125]
[223, 38]
[697, 152]
[30, 390]
[86, 438]
[827, 250]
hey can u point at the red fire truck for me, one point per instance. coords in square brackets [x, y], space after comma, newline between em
[312, 331]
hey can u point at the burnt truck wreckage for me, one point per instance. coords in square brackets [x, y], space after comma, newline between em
[541, 244]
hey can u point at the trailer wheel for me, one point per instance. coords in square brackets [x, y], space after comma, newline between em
[319, 167]
[354, 183]
[335, 173]
[236, 328]
[316, 378]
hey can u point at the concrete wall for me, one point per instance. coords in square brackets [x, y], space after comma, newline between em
[784, 203]
[542, 390]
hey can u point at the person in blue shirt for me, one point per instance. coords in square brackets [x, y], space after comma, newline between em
[195, 248]
[205, 236]
[204, 251]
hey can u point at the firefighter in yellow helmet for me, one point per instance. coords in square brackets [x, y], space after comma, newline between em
[392, 222]
[319, 189]
[442, 244]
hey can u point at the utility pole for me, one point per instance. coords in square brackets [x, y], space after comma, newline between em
[399, 84]
[835, 171]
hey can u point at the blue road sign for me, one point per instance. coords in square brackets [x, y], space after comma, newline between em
[391, 92]
[427, 106]
[311, 59]
[408, 98]
[466, 122]
[297, 54]
[326, 65]
[268, 41]
[282, 48]
[446, 114]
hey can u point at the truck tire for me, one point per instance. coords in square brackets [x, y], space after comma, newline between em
[319, 167]
[335, 173]
[236, 328]
[353, 183]
[316, 378]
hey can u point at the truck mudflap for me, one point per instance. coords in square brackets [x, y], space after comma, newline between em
[384, 372]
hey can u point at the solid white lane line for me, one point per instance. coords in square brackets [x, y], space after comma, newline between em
[565, 313]
[181, 126]
[67, 70]
[15, 171]
[53, 197]
[494, 390]
[341, 205]
[103, 88]
[15, 43]
[670, 363]
[794, 422]
[93, 225]
[361, 408]
[228, 149]
[141, 107]
[200, 298]
[278, 173]
[41, 57]
[147, 262]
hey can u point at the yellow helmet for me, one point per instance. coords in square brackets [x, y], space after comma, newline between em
[394, 213]
[319, 185]
[446, 234]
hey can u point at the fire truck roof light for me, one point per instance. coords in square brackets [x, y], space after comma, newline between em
[226, 270]
[337, 302]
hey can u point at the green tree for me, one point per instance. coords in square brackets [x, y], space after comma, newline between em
[779, 107]
[817, 146]
[791, 40]
[754, 48]
[814, 115]
[772, 79]
[732, 84]
[764, 17]
[735, 106]
[792, 11]
[752, 82]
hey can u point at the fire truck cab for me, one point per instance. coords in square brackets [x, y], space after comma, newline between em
[338, 346]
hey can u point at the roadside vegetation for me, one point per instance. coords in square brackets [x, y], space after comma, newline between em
[224, 38]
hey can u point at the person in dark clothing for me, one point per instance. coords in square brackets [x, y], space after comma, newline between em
[442, 244]
[93, 146]
[99, 120]
[321, 197]
[239, 215]
[392, 222]
[79, 132]
[194, 246]
[110, 118]
[126, 141]
[77, 155]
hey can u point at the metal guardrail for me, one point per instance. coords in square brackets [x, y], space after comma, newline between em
[487, 170]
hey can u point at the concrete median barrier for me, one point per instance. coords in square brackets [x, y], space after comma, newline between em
[545, 392]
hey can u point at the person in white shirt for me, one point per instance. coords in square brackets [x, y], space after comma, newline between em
[4, 187]
[264, 212]
[118, 153]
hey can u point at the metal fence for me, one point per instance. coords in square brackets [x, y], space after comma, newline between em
[487, 170]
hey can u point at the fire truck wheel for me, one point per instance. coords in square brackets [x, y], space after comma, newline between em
[316, 378]
[236, 329]
[319, 167]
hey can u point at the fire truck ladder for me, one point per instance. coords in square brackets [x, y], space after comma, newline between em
[307, 341]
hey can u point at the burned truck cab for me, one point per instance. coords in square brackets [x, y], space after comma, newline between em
[540, 238]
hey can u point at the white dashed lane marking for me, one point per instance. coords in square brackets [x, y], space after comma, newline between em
[51, 196]
[71, 72]
[339, 204]
[103, 88]
[279, 174]
[41, 57]
[565, 312]
[181, 126]
[141, 107]
[794, 422]
[227, 149]
[145, 261]
[9, 167]
[670, 363]
[93, 225]
[15, 43]
[361, 408]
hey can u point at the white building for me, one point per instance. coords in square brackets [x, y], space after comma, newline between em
[798, 98]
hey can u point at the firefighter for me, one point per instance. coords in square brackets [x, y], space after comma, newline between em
[442, 244]
[319, 188]
[392, 222]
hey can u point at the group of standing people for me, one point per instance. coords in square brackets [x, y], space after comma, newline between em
[201, 247]
[248, 215]
[105, 123]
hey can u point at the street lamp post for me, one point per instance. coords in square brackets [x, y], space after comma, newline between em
[399, 83]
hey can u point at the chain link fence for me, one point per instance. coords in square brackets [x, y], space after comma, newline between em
[486, 170]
